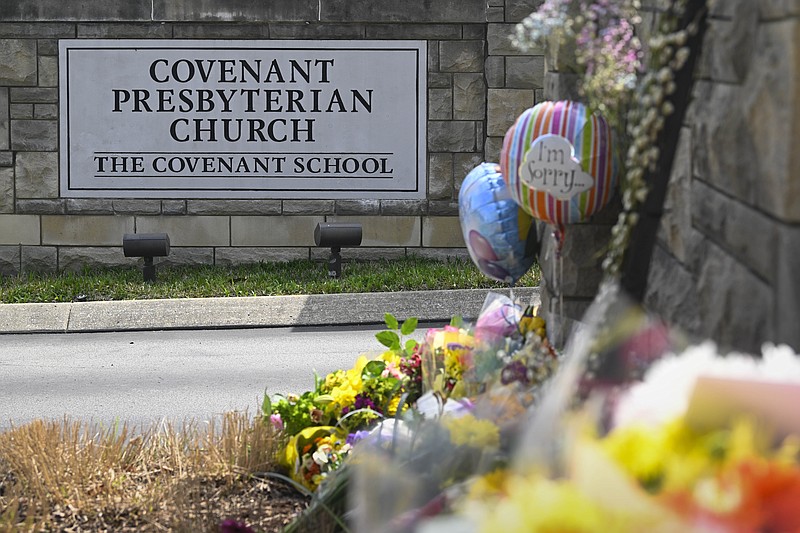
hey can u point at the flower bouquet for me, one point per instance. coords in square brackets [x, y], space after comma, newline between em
[506, 345]
[632, 437]
[704, 443]
[313, 453]
[321, 424]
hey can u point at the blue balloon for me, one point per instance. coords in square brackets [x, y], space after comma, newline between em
[500, 236]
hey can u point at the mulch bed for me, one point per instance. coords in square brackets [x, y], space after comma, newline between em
[200, 505]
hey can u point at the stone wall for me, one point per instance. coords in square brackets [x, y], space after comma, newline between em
[727, 262]
[477, 85]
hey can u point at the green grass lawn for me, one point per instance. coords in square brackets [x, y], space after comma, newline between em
[263, 279]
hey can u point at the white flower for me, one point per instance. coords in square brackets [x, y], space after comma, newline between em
[321, 455]
[680, 58]
[667, 387]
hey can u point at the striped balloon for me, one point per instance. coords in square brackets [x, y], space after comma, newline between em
[591, 138]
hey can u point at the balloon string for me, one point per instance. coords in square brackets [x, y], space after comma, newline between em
[560, 301]
[557, 275]
[558, 235]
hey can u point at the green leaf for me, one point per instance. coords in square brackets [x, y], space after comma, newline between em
[457, 321]
[266, 405]
[409, 326]
[388, 338]
[411, 344]
[391, 321]
[373, 369]
[323, 399]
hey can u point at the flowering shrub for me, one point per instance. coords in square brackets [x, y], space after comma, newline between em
[608, 54]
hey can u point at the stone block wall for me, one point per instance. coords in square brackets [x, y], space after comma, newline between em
[477, 85]
[727, 261]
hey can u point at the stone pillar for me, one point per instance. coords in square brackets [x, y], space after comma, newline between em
[569, 284]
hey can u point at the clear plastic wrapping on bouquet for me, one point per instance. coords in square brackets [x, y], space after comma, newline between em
[507, 343]
[614, 345]
[409, 470]
[479, 382]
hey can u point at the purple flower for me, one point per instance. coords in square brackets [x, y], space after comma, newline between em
[232, 526]
[362, 402]
[515, 371]
[352, 438]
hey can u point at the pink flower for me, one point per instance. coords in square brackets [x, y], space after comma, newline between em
[276, 420]
[393, 371]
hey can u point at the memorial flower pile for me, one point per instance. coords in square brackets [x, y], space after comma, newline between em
[618, 434]
[624, 435]
[462, 388]
[321, 424]
[506, 345]
[703, 443]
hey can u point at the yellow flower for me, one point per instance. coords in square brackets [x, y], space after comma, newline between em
[488, 485]
[390, 357]
[676, 458]
[391, 409]
[538, 504]
[639, 451]
[456, 361]
[332, 380]
[604, 482]
[342, 396]
[467, 430]
[350, 384]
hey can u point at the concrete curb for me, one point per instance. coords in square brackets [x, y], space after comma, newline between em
[246, 312]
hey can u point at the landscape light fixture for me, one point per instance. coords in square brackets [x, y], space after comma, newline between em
[336, 236]
[148, 246]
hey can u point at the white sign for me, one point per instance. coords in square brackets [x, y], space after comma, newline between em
[243, 119]
[549, 165]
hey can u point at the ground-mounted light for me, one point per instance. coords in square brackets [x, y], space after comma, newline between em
[336, 236]
[147, 246]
